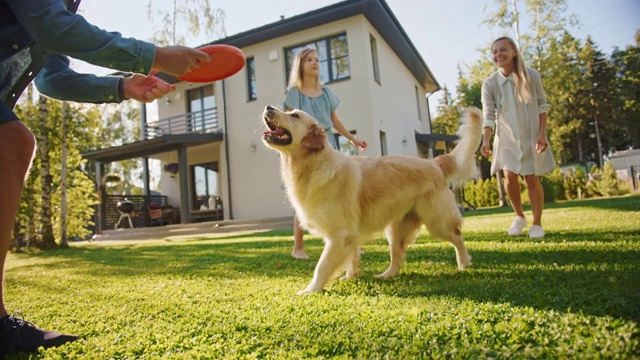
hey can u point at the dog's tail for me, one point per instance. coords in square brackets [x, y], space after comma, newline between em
[460, 164]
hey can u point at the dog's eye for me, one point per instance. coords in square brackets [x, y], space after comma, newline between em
[296, 116]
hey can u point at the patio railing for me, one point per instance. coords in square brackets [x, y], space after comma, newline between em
[198, 122]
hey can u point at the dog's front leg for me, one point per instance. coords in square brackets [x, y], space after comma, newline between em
[353, 261]
[333, 256]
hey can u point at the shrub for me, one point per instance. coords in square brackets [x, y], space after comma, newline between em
[605, 182]
[482, 193]
[575, 185]
[552, 184]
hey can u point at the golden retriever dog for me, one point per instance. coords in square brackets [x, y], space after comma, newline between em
[346, 199]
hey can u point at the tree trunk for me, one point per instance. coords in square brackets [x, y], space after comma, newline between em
[48, 239]
[595, 121]
[63, 177]
[502, 194]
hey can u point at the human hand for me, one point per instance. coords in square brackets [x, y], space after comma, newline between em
[541, 144]
[485, 150]
[145, 88]
[361, 144]
[178, 60]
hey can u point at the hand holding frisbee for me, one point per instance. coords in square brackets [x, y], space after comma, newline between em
[226, 60]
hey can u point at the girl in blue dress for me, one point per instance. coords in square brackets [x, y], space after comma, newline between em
[306, 92]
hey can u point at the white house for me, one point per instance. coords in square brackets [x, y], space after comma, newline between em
[212, 132]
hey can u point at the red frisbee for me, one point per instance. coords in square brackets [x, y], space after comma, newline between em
[226, 60]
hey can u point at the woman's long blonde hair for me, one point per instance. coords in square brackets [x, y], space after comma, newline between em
[295, 77]
[521, 75]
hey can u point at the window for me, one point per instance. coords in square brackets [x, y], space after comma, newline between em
[202, 109]
[374, 59]
[204, 185]
[345, 145]
[252, 91]
[333, 53]
[418, 101]
[383, 143]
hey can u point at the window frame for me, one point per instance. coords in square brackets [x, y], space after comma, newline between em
[252, 88]
[329, 62]
[374, 59]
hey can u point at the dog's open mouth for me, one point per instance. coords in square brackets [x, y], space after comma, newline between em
[276, 134]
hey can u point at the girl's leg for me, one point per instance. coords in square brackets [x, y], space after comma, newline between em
[298, 245]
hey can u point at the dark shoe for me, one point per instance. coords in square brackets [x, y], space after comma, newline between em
[17, 335]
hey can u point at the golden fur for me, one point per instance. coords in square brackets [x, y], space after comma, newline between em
[346, 199]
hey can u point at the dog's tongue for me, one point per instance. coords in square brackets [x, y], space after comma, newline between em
[276, 132]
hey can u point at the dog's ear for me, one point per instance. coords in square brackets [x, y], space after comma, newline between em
[314, 139]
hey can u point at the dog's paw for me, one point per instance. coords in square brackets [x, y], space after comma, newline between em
[387, 274]
[308, 291]
[347, 277]
[384, 275]
[462, 267]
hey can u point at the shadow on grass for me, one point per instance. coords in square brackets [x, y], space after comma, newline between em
[556, 236]
[622, 203]
[599, 282]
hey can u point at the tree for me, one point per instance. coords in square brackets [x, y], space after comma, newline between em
[599, 104]
[36, 224]
[448, 115]
[197, 15]
[563, 78]
[43, 136]
[627, 65]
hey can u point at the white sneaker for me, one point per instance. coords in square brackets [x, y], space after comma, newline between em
[536, 232]
[517, 226]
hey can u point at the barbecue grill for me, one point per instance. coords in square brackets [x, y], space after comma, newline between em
[126, 209]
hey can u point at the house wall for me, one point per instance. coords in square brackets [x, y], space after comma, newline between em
[366, 106]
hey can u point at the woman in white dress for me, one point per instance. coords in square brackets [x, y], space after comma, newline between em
[515, 109]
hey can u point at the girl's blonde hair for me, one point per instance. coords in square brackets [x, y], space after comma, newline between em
[295, 77]
[521, 75]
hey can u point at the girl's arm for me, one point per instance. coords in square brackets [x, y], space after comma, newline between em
[342, 130]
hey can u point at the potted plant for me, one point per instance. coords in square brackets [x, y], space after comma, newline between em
[172, 169]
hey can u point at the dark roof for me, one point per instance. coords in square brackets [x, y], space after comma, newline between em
[376, 11]
[150, 147]
[625, 153]
[435, 137]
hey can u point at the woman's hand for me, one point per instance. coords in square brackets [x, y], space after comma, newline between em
[542, 144]
[485, 150]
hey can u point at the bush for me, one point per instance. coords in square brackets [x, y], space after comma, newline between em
[552, 184]
[556, 185]
[575, 185]
[482, 193]
[605, 182]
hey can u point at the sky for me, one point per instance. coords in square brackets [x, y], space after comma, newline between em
[447, 33]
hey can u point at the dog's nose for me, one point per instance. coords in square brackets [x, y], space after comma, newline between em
[270, 108]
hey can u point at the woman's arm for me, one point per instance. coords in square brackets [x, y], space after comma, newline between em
[489, 112]
[542, 143]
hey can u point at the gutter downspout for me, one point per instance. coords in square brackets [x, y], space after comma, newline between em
[226, 150]
[433, 145]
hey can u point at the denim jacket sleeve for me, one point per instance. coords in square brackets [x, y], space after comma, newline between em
[59, 81]
[50, 24]
[59, 31]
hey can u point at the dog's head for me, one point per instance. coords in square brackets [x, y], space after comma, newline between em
[292, 131]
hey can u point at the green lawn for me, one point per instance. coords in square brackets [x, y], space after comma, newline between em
[573, 294]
